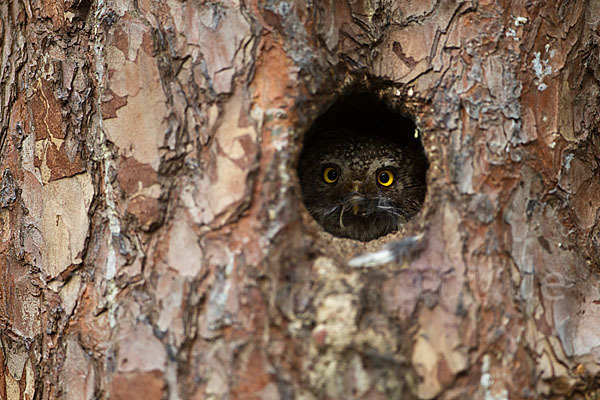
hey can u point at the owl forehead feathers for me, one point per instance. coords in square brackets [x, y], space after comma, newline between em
[359, 155]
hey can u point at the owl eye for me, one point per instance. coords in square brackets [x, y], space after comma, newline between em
[330, 175]
[385, 177]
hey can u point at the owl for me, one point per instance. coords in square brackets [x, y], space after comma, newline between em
[362, 185]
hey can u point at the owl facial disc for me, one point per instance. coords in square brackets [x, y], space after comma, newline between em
[361, 186]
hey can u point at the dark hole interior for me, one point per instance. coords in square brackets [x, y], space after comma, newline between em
[362, 168]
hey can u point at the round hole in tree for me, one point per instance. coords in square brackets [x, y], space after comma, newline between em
[362, 168]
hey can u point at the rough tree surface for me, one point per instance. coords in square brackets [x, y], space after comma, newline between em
[153, 241]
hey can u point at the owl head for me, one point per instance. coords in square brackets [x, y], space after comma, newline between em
[359, 185]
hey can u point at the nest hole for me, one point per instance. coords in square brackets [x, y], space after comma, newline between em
[362, 168]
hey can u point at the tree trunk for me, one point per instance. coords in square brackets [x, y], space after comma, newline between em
[154, 243]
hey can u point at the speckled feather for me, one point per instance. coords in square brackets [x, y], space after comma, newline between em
[359, 157]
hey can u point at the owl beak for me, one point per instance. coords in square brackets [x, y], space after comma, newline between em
[355, 187]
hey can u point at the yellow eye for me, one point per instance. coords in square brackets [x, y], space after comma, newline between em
[385, 177]
[330, 175]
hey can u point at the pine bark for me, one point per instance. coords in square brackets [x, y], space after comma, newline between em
[153, 240]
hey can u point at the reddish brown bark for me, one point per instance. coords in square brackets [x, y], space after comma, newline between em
[154, 243]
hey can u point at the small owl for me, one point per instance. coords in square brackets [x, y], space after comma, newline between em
[362, 186]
